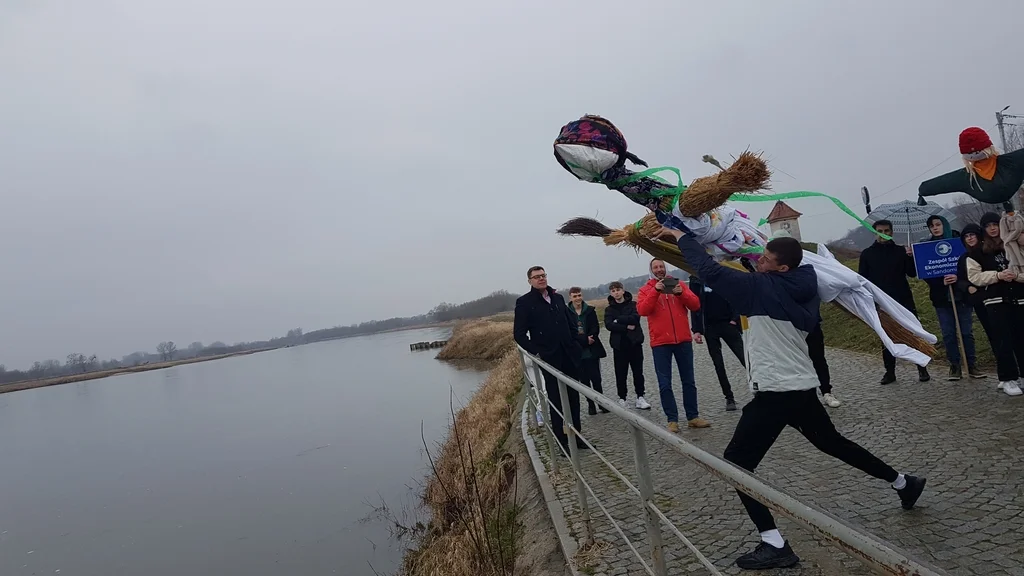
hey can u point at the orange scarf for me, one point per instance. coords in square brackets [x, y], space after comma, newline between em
[986, 168]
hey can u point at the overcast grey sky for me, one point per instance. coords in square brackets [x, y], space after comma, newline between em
[230, 169]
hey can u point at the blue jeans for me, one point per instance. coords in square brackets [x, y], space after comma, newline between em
[948, 327]
[683, 353]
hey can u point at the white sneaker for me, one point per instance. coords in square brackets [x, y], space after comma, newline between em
[622, 402]
[642, 404]
[831, 400]
[1011, 389]
[540, 418]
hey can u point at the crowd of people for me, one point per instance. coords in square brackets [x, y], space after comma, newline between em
[985, 285]
[782, 349]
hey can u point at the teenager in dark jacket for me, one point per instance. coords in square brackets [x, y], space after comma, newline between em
[938, 292]
[542, 326]
[1003, 294]
[627, 338]
[971, 236]
[887, 265]
[781, 304]
[712, 323]
[588, 333]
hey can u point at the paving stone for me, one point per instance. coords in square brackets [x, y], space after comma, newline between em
[965, 437]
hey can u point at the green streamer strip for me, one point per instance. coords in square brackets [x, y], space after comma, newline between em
[806, 194]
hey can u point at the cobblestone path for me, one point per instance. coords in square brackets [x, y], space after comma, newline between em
[965, 437]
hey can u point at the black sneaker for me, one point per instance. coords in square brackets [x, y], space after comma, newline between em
[730, 405]
[602, 409]
[975, 373]
[591, 409]
[888, 378]
[767, 556]
[912, 491]
[581, 445]
[922, 374]
[954, 372]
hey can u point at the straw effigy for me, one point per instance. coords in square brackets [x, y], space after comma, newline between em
[748, 173]
[644, 235]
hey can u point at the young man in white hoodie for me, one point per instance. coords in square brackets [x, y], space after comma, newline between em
[780, 301]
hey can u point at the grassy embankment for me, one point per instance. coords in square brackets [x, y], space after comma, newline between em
[475, 526]
[70, 378]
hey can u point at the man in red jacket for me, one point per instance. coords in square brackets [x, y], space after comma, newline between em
[667, 321]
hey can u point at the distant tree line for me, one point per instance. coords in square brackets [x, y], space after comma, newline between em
[77, 363]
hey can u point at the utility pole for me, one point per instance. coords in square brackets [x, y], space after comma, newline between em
[1002, 131]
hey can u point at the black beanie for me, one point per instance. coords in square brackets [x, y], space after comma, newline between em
[989, 218]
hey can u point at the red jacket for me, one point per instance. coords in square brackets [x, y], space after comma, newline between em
[667, 320]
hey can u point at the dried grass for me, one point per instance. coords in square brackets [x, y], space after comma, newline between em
[472, 494]
[749, 173]
[478, 340]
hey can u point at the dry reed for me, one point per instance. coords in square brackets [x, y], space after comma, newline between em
[748, 173]
[472, 492]
[478, 340]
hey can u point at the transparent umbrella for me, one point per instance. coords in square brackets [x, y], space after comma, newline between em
[906, 216]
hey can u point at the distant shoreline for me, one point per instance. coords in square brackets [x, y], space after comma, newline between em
[72, 378]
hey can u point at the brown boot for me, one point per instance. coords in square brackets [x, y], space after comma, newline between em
[673, 427]
[698, 422]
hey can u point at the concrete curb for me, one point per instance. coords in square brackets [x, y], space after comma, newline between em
[565, 539]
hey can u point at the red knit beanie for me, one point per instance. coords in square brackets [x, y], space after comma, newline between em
[973, 140]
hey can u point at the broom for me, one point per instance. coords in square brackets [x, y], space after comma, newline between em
[644, 236]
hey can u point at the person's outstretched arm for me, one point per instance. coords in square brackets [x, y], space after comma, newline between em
[738, 288]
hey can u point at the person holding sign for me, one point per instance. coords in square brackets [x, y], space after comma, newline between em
[938, 270]
[1003, 295]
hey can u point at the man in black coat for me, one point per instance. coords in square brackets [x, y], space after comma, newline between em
[542, 326]
[712, 323]
[888, 265]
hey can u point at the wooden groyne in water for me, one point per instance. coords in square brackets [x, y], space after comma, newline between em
[427, 345]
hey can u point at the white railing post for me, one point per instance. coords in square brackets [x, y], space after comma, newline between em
[546, 407]
[574, 456]
[646, 486]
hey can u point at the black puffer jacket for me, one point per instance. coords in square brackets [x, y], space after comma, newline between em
[978, 297]
[617, 318]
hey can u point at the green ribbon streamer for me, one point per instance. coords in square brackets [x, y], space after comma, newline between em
[805, 194]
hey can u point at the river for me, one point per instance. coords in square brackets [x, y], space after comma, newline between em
[266, 464]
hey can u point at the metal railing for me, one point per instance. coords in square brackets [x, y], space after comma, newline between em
[878, 555]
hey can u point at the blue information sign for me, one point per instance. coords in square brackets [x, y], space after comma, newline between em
[937, 258]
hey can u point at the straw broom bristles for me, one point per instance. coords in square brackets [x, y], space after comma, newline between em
[644, 239]
[748, 173]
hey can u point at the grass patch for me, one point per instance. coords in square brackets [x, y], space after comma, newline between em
[478, 340]
[475, 528]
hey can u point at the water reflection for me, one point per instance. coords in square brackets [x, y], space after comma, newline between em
[260, 465]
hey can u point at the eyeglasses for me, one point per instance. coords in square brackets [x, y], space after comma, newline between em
[538, 276]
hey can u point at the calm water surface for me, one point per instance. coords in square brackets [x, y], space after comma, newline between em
[256, 465]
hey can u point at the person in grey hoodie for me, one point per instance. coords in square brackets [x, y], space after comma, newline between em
[780, 301]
